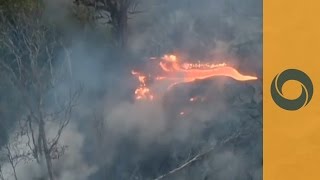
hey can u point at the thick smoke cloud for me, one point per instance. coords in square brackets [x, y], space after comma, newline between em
[71, 166]
[112, 136]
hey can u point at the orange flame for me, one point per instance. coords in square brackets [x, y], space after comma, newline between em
[178, 72]
[142, 92]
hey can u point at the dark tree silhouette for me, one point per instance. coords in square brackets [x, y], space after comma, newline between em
[116, 12]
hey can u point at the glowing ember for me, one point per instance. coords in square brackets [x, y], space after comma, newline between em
[197, 98]
[176, 72]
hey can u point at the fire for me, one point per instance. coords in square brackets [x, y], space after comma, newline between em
[174, 71]
[142, 92]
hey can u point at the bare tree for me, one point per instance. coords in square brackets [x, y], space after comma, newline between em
[13, 160]
[32, 60]
[117, 14]
[13, 153]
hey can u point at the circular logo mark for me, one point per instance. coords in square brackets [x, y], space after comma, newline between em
[306, 87]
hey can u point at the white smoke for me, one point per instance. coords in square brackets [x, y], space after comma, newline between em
[70, 166]
[198, 28]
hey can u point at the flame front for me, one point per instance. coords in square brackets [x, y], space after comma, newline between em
[176, 72]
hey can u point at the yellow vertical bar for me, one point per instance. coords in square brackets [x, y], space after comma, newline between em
[291, 138]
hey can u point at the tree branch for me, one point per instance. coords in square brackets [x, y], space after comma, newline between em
[198, 157]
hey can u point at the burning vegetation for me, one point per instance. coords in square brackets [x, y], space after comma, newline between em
[66, 91]
[174, 71]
